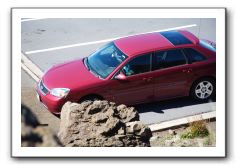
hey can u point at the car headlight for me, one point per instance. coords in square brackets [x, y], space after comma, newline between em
[60, 92]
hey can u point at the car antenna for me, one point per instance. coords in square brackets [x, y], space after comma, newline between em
[199, 27]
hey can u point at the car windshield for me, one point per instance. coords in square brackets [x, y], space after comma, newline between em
[103, 61]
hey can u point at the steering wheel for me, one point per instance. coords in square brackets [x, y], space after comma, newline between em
[127, 70]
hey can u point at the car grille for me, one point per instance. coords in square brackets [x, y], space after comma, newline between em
[43, 88]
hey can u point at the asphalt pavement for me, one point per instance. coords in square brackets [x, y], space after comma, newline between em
[52, 33]
[47, 42]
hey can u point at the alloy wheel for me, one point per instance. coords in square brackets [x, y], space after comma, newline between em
[204, 89]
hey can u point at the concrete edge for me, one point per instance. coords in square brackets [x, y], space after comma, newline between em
[181, 121]
[31, 68]
[28, 71]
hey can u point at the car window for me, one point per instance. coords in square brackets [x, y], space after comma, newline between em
[166, 59]
[159, 60]
[193, 55]
[138, 65]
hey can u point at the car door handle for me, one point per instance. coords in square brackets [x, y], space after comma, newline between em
[187, 70]
[148, 79]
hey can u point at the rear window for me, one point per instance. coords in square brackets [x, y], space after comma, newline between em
[208, 45]
[175, 38]
[193, 55]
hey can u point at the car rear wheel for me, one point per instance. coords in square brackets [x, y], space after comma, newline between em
[203, 89]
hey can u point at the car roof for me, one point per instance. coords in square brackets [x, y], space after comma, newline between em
[143, 43]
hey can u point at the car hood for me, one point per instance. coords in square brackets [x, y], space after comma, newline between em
[70, 75]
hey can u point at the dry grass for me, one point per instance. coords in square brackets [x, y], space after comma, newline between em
[196, 129]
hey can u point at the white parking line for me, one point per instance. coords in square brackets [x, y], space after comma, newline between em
[31, 19]
[102, 41]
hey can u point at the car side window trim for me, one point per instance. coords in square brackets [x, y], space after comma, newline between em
[188, 60]
[185, 56]
[151, 58]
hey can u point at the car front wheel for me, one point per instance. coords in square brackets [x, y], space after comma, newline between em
[203, 89]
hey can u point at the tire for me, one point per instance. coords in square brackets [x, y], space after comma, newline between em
[89, 98]
[57, 115]
[203, 89]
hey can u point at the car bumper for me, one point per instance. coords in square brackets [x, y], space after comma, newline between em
[51, 103]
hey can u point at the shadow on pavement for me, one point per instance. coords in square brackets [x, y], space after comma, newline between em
[161, 106]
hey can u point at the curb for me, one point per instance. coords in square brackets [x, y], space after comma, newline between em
[31, 68]
[181, 121]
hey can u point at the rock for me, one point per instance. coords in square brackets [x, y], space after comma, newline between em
[121, 131]
[127, 114]
[139, 129]
[110, 112]
[33, 134]
[134, 127]
[102, 124]
[99, 118]
[97, 106]
[171, 132]
[110, 128]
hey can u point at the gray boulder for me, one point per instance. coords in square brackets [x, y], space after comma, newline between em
[102, 124]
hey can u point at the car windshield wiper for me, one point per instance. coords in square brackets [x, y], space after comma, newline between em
[86, 63]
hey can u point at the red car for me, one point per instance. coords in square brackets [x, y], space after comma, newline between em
[133, 70]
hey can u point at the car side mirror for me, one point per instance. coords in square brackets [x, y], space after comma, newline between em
[120, 76]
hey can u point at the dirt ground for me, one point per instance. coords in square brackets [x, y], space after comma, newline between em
[172, 137]
[28, 98]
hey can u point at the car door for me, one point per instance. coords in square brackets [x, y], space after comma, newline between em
[172, 73]
[138, 86]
